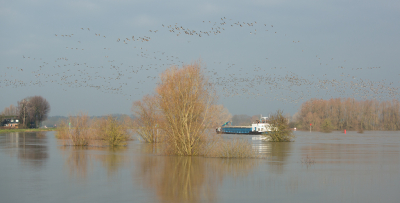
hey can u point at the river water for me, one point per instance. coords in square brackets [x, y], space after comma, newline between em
[317, 167]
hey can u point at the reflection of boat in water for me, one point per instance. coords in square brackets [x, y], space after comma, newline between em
[260, 127]
[259, 145]
[261, 137]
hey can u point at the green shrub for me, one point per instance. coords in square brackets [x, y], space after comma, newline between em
[280, 131]
[113, 132]
[327, 126]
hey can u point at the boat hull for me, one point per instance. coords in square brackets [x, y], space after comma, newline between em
[240, 130]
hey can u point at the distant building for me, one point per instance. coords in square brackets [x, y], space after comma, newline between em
[10, 122]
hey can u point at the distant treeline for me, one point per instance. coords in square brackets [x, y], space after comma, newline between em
[241, 119]
[349, 114]
[244, 120]
[53, 120]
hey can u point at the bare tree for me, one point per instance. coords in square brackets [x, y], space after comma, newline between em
[186, 99]
[222, 117]
[38, 108]
[347, 113]
[148, 118]
[33, 110]
[23, 112]
[183, 108]
[10, 111]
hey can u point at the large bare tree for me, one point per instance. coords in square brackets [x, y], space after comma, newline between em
[33, 110]
[183, 108]
[186, 100]
[38, 108]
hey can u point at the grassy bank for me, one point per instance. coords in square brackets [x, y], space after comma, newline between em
[26, 130]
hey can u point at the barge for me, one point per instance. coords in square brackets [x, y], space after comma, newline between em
[260, 127]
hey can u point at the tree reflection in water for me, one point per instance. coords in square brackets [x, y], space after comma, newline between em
[77, 162]
[112, 159]
[279, 154]
[80, 159]
[187, 179]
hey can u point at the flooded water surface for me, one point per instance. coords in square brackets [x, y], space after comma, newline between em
[317, 167]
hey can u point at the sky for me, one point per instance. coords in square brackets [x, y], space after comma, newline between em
[100, 56]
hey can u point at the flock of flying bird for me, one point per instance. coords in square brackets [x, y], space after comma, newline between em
[109, 75]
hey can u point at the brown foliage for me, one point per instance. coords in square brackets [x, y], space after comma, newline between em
[80, 133]
[181, 113]
[147, 118]
[222, 117]
[84, 130]
[9, 111]
[185, 100]
[62, 131]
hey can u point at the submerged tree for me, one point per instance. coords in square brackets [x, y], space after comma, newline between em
[112, 131]
[183, 108]
[186, 100]
[147, 118]
[280, 131]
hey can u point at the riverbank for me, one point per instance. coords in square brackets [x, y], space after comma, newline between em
[26, 130]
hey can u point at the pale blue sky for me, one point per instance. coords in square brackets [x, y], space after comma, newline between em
[262, 55]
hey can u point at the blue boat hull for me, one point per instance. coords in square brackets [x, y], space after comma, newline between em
[247, 131]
